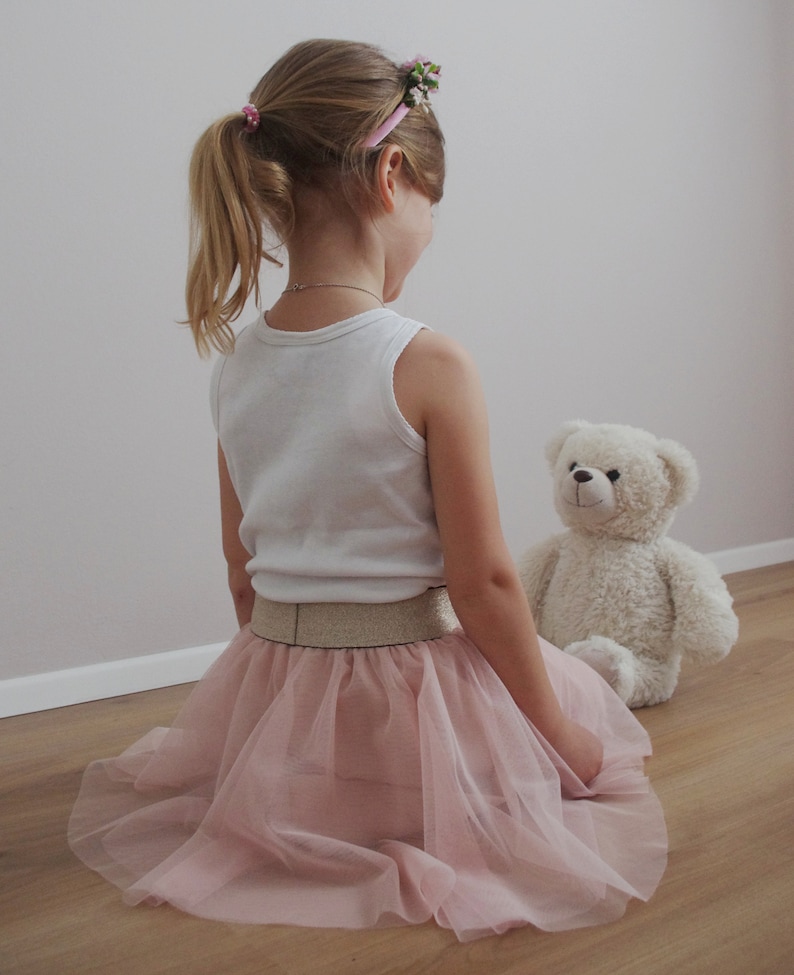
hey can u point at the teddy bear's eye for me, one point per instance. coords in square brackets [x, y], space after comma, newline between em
[573, 466]
[613, 475]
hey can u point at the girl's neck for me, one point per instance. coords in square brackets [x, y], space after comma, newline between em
[332, 247]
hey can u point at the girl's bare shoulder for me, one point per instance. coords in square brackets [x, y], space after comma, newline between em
[432, 352]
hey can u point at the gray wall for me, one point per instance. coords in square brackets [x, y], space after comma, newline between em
[615, 244]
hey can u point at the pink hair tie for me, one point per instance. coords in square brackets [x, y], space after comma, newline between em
[251, 113]
[421, 77]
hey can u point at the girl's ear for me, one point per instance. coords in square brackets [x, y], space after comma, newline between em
[389, 169]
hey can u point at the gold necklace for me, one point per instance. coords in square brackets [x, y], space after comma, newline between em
[302, 287]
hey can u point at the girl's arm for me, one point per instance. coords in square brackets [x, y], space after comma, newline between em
[438, 391]
[235, 553]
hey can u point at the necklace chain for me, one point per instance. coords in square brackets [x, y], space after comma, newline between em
[302, 287]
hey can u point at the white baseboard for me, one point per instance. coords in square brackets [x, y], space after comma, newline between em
[60, 688]
[57, 689]
[754, 556]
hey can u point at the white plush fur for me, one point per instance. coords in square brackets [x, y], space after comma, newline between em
[613, 589]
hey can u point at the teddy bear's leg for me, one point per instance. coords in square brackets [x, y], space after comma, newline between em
[612, 661]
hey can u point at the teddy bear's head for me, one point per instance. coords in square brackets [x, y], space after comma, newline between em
[618, 481]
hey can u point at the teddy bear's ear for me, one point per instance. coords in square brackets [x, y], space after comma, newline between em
[682, 470]
[555, 445]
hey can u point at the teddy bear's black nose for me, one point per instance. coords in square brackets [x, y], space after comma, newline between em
[582, 476]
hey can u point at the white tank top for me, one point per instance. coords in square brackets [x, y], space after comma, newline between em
[332, 480]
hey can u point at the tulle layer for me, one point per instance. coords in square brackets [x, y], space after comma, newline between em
[375, 787]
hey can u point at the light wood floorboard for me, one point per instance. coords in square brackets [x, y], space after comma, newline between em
[723, 766]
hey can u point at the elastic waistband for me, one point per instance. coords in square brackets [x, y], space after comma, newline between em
[337, 626]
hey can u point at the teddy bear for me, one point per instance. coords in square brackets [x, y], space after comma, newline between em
[613, 589]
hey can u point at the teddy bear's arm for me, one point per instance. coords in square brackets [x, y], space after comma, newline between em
[536, 568]
[705, 625]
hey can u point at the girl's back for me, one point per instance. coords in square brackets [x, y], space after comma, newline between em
[332, 480]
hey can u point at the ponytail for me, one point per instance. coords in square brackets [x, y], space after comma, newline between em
[232, 193]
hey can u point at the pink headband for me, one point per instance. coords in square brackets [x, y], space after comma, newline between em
[420, 79]
[251, 113]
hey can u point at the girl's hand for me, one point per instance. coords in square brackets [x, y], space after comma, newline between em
[579, 748]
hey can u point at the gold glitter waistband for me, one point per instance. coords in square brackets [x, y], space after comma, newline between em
[336, 626]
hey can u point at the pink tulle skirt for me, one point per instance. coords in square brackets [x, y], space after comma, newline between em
[362, 788]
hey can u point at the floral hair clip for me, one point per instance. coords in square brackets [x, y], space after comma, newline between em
[421, 77]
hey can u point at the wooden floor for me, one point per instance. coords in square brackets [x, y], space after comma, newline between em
[723, 767]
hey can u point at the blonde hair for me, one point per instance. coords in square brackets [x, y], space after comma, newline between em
[317, 105]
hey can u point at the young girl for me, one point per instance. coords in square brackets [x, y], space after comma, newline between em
[386, 740]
